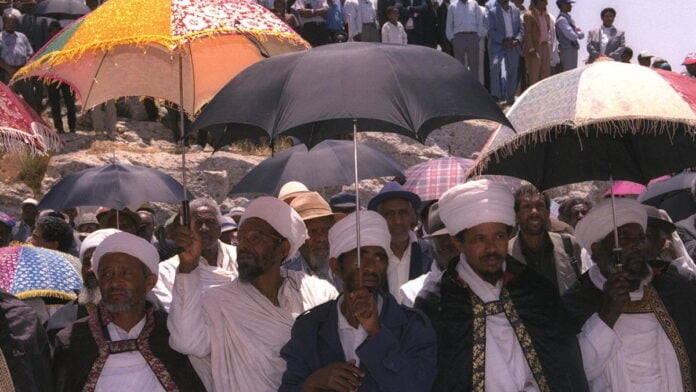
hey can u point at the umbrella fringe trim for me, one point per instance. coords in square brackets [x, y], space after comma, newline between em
[16, 141]
[619, 127]
[51, 141]
[45, 293]
[74, 55]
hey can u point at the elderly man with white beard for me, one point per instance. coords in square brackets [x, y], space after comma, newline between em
[638, 325]
[124, 344]
[243, 325]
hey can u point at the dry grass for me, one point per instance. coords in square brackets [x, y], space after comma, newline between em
[31, 169]
[246, 147]
[102, 147]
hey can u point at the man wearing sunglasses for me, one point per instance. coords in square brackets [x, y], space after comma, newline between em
[243, 325]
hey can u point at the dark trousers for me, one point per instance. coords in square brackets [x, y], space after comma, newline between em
[315, 33]
[54, 92]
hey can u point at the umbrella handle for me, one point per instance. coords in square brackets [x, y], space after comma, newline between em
[618, 265]
[185, 213]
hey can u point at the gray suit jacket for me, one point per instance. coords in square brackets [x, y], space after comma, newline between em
[615, 46]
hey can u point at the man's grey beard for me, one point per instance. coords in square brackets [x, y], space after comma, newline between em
[89, 295]
[118, 307]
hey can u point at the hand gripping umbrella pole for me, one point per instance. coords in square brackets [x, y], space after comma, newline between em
[616, 252]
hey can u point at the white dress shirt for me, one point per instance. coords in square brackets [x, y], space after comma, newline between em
[351, 338]
[604, 36]
[394, 33]
[398, 268]
[507, 19]
[127, 371]
[464, 16]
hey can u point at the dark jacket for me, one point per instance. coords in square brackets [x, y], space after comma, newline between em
[421, 259]
[76, 352]
[539, 308]
[401, 357]
[24, 345]
[676, 289]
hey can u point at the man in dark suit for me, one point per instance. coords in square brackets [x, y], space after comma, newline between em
[607, 40]
[409, 256]
[364, 339]
[504, 45]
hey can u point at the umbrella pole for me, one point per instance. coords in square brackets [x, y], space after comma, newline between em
[357, 200]
[185, 213]
[617, 249]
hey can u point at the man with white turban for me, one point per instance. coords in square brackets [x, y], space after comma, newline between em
[500, 324]
[242, 325]
[364, 338]
[124, 344]
[638, 325]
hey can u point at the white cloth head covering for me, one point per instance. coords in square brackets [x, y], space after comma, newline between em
[14, 12]
[599, 222]
[373, 232]
[476, 202]
[129, 244]
[286, 221]
[94, 239]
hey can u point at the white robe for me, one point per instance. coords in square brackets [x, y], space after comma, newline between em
[210, 276]
[223, 272]
[636, 355]
[240, 328]
[428, 282]
[506, 366]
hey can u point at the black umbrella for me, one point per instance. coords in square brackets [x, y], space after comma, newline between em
[335, 89]
[328, 163]
[114, 185]
[61, 9]
[672, 195]
[317, 94]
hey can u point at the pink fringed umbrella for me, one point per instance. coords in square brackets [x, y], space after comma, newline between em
[21, 126]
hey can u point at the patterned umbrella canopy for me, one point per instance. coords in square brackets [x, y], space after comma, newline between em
[28, 272]
[432, 178]
[608, 119]
[21, 126]
[161, 48]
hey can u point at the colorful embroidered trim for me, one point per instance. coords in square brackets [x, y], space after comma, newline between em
[97, 322]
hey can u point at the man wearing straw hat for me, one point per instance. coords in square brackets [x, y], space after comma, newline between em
[500, 325]
[243, 324]
[363, 340]
[313, 256]
[637, 323]
[124, 344]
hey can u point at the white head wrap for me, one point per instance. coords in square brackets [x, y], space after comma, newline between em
[599, 222]
[476, 202]
[94, 239]
[14, 12]
[286, 221]
[129, 244]
[373, 232]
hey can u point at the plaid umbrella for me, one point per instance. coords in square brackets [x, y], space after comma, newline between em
[432, 178]
[28, 272]
[21, 126]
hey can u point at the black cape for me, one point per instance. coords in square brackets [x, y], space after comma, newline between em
[24, 345]
[539, 307]
[677, 291]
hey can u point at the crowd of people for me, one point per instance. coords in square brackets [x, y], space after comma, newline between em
[483, 289]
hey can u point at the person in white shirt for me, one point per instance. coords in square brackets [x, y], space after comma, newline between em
[124, 345]
[500, 325]
[361, 18]
[409, 256]
[464, 28]
[637, 323]
[444, 252]
[393, 31]
[242, 325]
[218, 260]
[607, 40]
[364, 338]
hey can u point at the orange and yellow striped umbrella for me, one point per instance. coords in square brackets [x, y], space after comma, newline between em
[146, 47]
